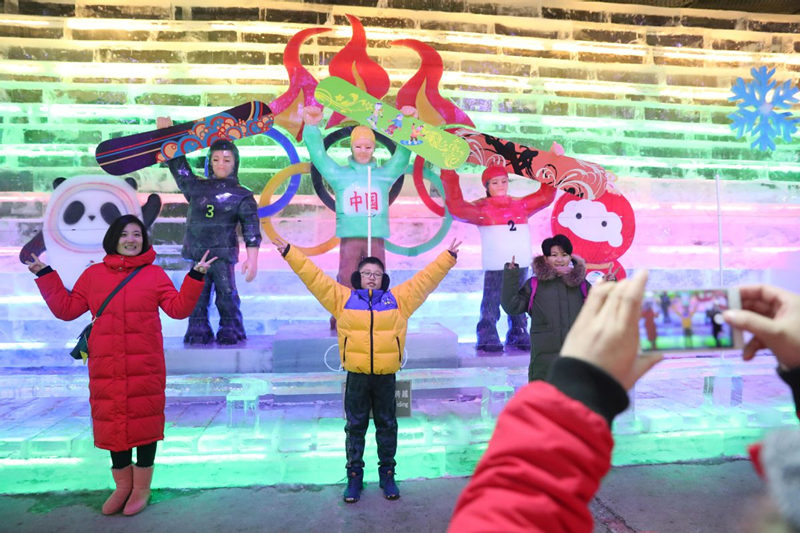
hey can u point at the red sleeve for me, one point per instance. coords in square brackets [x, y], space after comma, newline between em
[64, 304]
[454, 199]
[540, 199]
[178, 304]
[543, 466]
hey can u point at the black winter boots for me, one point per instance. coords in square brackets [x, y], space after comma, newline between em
[355, 483]
[390, 490]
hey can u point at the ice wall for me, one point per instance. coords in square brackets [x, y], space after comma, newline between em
[641, 90]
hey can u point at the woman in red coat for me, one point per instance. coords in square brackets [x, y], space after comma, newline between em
[127, 374]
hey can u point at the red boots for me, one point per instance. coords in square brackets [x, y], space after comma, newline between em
[132, 492]
[140, 495]
[123, 478]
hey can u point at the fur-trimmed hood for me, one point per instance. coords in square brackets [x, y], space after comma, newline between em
[543, 270]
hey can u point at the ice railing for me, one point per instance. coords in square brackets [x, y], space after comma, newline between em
[676, 394]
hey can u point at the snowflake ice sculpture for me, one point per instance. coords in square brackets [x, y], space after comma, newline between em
[756, 112]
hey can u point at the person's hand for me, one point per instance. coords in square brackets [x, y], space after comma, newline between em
[772, 315]
[453, 248]
[203, 265]
[249, 270]
[606, 331]
[513, 263]
[163, 122]
[35, 265]
[409, 111]
[312, 115]
[611, 275]
[280, 245]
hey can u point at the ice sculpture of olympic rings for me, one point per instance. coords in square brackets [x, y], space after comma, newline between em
[291, 190]
[419, 174]
[447, 218]
[325, 358]
[340, 368]
[266, 223]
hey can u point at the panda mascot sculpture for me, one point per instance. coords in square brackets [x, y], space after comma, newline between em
[77, 217]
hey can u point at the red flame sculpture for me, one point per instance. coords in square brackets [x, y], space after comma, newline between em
[354, 65]
[422, 90]
[287, 108]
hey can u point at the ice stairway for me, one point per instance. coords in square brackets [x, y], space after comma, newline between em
[245, 429]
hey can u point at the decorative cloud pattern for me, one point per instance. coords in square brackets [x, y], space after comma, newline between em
[592, 221]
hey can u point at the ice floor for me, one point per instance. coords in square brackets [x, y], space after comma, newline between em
[265, 428]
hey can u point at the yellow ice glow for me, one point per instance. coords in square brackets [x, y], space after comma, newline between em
[717, 56]
[494, 40]
[25, 22]
[116, 24]
[259, 27]
[114, 70]
[258, 72]
[377, 33]
[610, 49]
[591, 87]
[20, 68]
[696, 93]
[485, 80]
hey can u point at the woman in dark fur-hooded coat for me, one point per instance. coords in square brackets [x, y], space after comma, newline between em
[560, 289]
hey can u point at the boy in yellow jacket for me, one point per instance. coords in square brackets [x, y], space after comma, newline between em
[371, 323]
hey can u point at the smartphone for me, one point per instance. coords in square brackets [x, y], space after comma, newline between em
[688, 321]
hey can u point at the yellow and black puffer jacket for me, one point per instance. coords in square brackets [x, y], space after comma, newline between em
[371, 324]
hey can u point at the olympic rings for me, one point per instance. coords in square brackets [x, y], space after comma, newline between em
[266, 222]
[419, 173]
[325, 358]
[291, 190]
[447, 221]
[336, 136]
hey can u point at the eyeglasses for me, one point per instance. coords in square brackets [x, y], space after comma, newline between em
[371, 275]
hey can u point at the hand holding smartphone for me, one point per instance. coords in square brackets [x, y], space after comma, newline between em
[772, 315]
[688, 320]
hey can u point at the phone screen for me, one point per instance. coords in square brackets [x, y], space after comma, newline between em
[685, 320]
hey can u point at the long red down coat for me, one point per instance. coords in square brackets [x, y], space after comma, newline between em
[127, 374]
